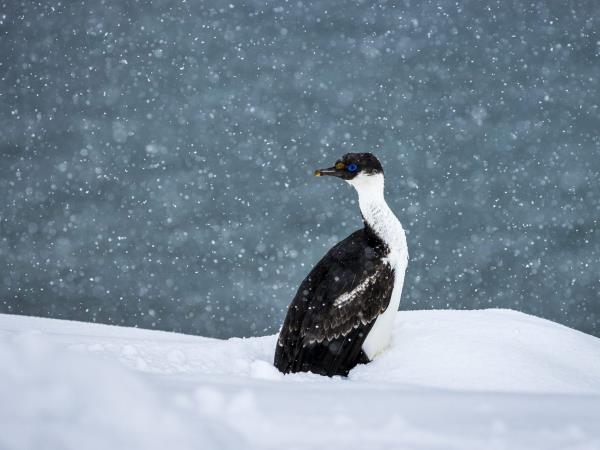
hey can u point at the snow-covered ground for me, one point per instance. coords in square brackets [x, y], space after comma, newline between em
[491, 379]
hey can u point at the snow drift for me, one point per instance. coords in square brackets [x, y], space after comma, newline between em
[451, 379]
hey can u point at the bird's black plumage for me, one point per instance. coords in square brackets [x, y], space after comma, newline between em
[323, 336]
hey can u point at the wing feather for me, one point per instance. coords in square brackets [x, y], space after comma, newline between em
[335, 307]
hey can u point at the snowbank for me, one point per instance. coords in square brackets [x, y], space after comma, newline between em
[452, 379]
[490, 350]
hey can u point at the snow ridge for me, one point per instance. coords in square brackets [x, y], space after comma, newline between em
[506, 379]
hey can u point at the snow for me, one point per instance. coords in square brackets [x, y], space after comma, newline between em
[493, 379]
[156, 157]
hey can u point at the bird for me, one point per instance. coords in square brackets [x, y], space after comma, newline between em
[343, 312]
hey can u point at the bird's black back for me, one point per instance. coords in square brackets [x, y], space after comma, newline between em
[321, 336]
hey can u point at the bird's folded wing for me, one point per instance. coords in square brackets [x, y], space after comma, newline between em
[342, 302]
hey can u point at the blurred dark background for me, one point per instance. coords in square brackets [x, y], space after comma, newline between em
[156, 157]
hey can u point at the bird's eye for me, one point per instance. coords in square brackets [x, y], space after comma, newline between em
[352, 167]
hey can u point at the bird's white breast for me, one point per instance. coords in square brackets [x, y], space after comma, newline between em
[380, 336]
[386, 225]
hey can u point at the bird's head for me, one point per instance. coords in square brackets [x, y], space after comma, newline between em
[361, 170]
[353, 165]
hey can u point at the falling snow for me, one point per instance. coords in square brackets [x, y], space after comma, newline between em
[156, 157]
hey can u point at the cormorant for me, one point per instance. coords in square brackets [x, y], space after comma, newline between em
[343, 312]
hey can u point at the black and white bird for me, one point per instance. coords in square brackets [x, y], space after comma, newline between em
[343, 312]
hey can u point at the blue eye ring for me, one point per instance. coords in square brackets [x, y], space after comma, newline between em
[352, 167]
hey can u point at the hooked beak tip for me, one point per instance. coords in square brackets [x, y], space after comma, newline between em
[317, 173]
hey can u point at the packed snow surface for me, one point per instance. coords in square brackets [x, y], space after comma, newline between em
[493, 379]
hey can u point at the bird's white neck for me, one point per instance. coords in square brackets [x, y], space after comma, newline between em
[378, 214]
[386, 225]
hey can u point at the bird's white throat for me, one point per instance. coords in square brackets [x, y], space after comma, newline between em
[378, 214]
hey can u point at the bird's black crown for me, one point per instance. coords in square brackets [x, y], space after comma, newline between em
[352, 164]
